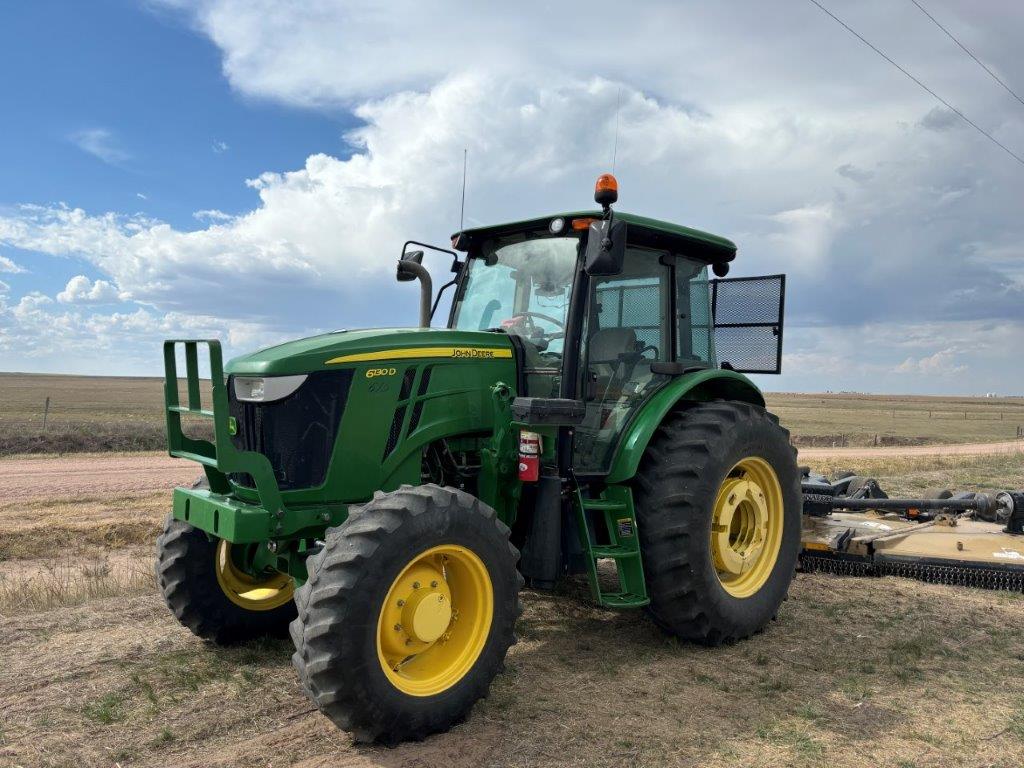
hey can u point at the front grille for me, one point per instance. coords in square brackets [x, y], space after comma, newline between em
[295, 433]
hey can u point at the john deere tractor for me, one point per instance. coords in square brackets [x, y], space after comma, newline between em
[383, 495]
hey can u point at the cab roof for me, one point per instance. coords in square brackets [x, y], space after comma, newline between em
[643, 231]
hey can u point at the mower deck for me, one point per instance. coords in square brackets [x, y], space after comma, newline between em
[948, 546]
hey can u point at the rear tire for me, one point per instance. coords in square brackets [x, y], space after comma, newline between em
[695, 457]
[351, 617]
[186, 570]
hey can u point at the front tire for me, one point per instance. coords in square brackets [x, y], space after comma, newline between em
[212, 595]
[408, 613]
[718, 515]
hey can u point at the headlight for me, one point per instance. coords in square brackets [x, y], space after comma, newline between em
[252, 389]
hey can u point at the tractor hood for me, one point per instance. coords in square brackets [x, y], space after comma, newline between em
[383, 345]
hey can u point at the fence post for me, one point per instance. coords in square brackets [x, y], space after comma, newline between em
[46, 412]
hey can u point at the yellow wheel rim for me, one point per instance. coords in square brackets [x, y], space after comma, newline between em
[746, 527]
[246, 591]
[435, 620]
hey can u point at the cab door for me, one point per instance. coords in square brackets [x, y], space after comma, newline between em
[627, 328]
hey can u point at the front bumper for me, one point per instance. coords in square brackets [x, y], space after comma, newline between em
[228, 518]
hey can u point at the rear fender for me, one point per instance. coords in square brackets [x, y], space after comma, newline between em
[698, 386]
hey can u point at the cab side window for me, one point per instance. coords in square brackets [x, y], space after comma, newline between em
[695, 333]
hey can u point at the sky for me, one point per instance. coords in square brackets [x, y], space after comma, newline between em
[250, 170]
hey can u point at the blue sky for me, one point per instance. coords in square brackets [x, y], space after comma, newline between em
[174, 130]
[249, 169]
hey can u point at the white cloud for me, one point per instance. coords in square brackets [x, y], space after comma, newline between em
[141, 196]
[220, 147]
[212, 215]
[6, 265]
[4, 287]
[100, 143]
[815, 161]
[81, 290]
[942, 363]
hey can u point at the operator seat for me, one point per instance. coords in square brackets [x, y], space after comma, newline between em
[614, 352]
[608, 345]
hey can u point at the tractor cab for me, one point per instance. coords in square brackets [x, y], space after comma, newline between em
[606, 307]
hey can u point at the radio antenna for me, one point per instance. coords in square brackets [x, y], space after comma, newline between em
[615, 145]
[462, 212]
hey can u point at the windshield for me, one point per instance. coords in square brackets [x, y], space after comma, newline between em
[523, 289]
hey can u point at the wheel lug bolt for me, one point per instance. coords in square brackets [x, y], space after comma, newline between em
[398, 627]
[415, 585]
[433, 584]
[401, 603]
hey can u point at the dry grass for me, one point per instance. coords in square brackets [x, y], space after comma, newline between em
[87, 413]
[66, 581]
[854, 673]
[914, 474]
[35, 529]
[846, 419]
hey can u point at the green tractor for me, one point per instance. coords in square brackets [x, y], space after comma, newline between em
[383, 495]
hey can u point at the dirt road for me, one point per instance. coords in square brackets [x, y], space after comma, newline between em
[25, 478]
[953, 449]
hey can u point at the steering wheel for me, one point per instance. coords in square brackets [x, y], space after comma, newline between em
[542, 316]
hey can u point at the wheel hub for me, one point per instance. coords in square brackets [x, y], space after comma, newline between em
[435, 620]
[246, 591]
[740, 527]
[427, 615]
[746, 527]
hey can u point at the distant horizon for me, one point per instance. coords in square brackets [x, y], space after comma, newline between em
[766, 391]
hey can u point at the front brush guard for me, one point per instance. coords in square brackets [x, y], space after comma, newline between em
[220, 457]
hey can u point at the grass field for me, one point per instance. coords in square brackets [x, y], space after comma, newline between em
[850, 419]
[97, 413]
[86, 413]
[854, 672]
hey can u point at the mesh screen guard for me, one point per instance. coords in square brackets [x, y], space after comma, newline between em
[748, 320]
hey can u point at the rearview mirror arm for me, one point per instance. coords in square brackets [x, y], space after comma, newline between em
[440, 293]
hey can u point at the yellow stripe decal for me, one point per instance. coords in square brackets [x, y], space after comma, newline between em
[476, 353]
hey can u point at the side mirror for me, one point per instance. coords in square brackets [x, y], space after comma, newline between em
[606, 247]
[407, 275]
[720, 268]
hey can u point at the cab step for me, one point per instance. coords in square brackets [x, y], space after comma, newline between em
[607, 527]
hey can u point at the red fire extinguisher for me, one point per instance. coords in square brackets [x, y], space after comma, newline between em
[529, 457]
